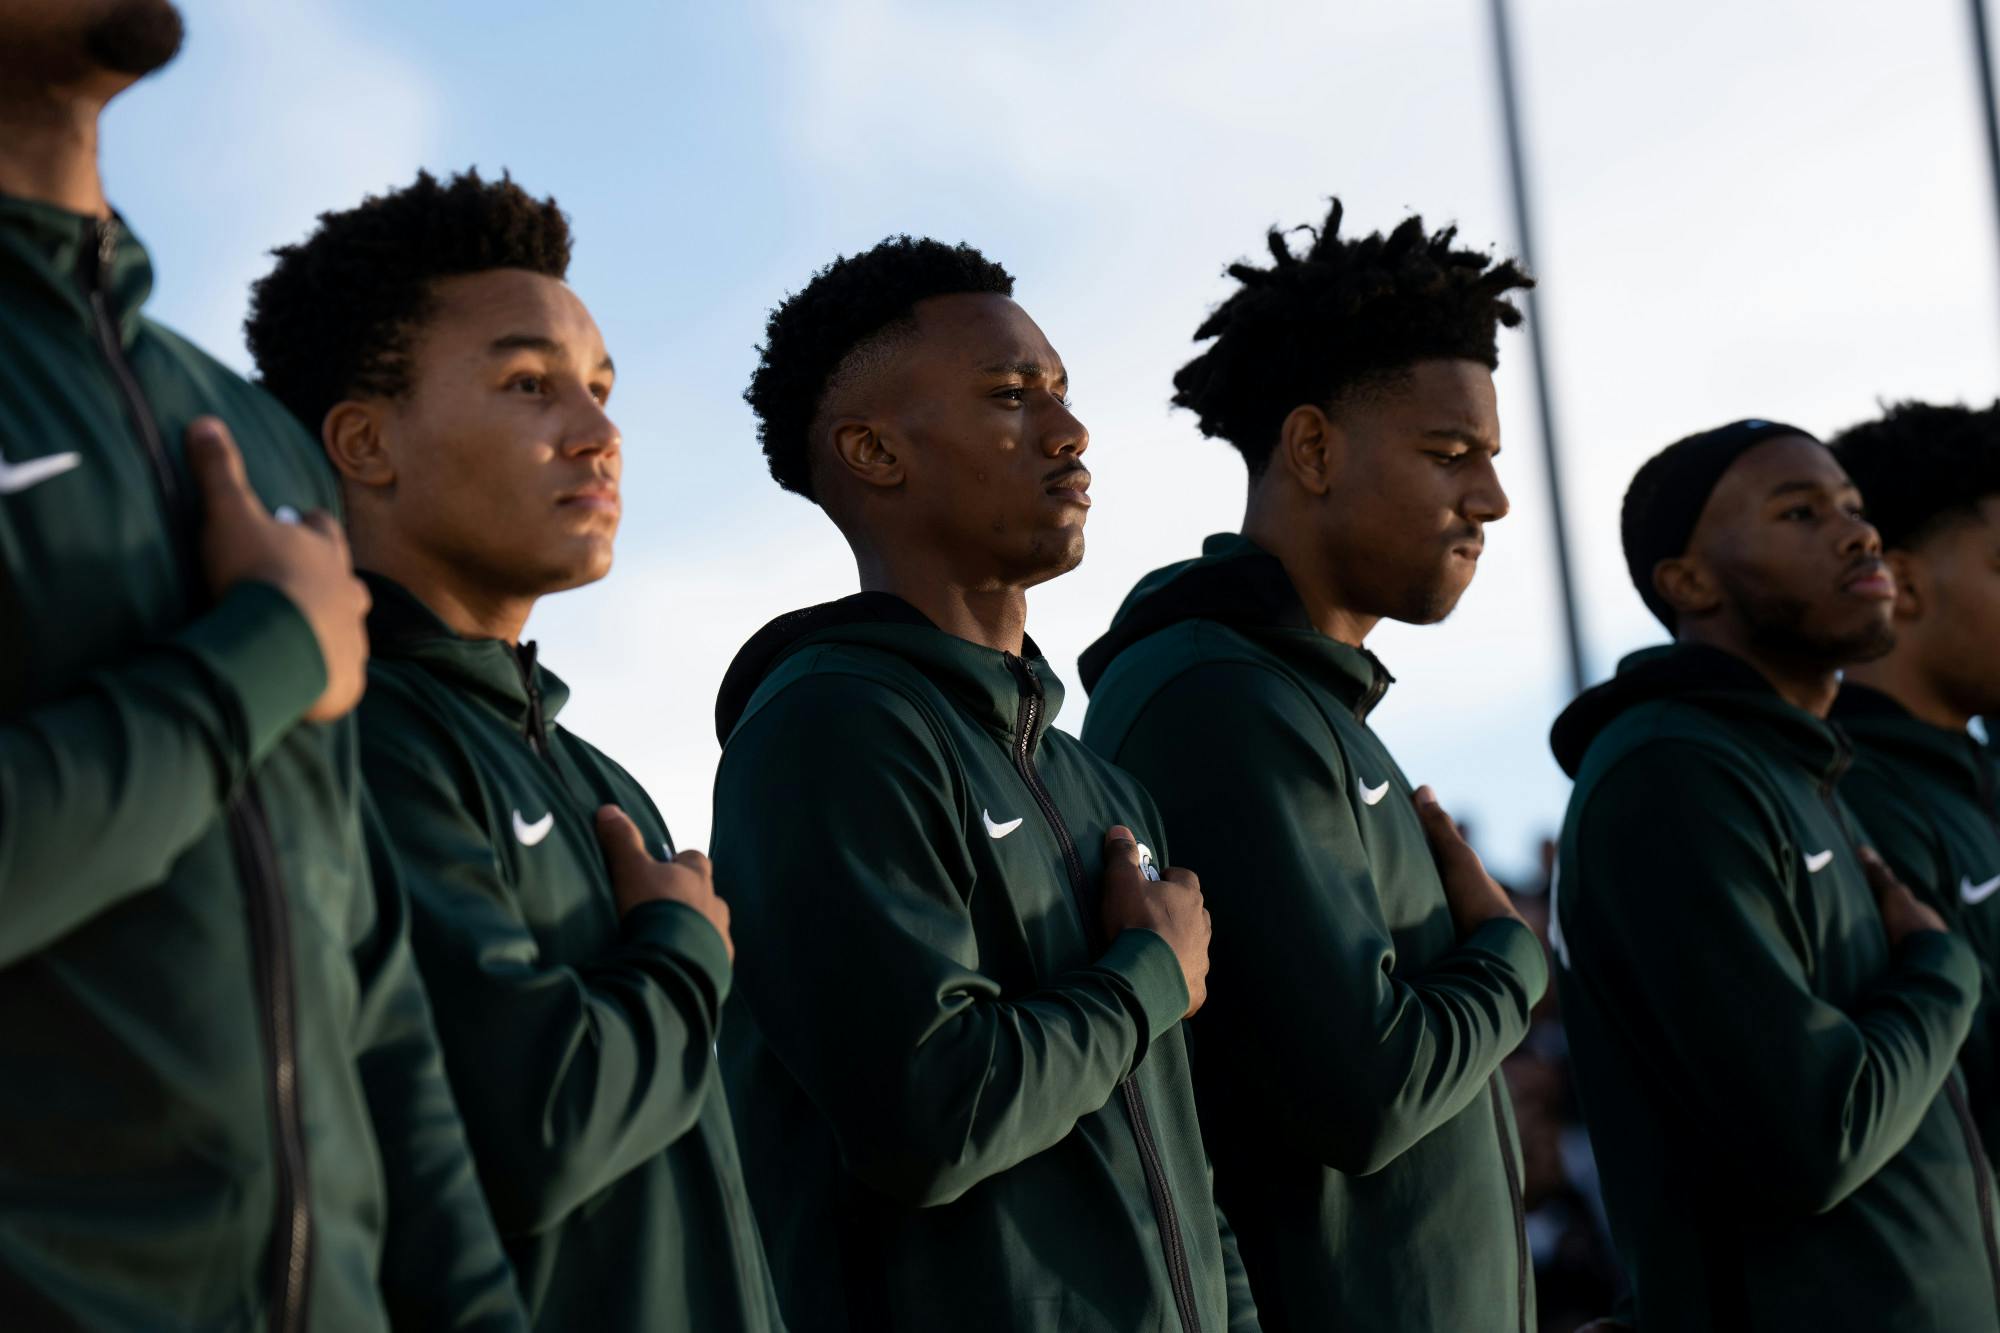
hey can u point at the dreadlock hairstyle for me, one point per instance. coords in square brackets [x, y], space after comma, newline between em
[335, 317]
[1922, 465]
[845, 314]
[1346, 316]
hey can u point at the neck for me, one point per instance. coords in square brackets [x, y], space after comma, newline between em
[992, 616]
[1807, 685]
[1901, 677]
[469, 612]
[1288, 537]
[48, 148]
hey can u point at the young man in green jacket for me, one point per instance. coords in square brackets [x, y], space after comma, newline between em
[1370, 976]
[577, 964]
[955, 1054]
[221, 1103]
[1763, 1019]
[1926, 791]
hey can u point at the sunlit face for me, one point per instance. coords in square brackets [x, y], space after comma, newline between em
[975, 409]
[1412, 489]
[505, 463]
[1948, 608]
[1788, 554]
[58, 42]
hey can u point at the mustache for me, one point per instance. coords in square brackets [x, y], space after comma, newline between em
[1067, 470]
[1867, 564]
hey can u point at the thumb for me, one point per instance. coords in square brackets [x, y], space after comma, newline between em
[217, 465]
[619, 836]
[1120, 847]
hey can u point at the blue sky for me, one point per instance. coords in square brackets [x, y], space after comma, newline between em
[1775, 210]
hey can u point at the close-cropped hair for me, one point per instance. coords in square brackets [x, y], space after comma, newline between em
[1344, 316]
[1921, 466]
[335, 318]
[848, 310]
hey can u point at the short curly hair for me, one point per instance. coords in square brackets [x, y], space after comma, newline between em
[845, 311]
[334, 318]
[1346, 315]
[1919, 466]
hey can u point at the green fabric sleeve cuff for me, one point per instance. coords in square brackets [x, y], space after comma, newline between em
[1943, 955]
[1512, 942]
[1147, 962]
[260, 646]
[678, 929]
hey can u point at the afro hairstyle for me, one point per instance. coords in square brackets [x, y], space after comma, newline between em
[1920, 466]
[335, 317]
[845, 311]
[1347, 315]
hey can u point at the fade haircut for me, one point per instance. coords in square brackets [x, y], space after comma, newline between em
[336, 317]
[1921, 466]
[1345, 317]
[848, 316]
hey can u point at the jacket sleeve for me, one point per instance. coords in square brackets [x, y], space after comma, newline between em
[1357, 1057]
[1906, 838]
[1242, 1305]
[1687, 928]
[842, 854]
[569, 1076]
[102, 790]
[442, 1265]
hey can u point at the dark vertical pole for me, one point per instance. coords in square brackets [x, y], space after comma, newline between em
[1503, 55]
[1982, 54]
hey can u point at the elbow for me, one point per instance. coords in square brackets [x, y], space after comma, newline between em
[911, 1171]
[531, 1194]
[1801, 1184]
[1361, 1145]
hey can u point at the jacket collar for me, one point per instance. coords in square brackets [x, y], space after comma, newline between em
[1878, 722]
[1236, 582]
[504, 677]
[988, 685]
[59, 251]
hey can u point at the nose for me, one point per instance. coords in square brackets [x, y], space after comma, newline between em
[1485, 501]
[591, 431]
[1860, 538]
[1064, 434]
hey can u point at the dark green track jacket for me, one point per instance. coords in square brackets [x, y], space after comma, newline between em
[1927, 798]
[220, 1092]
[961, 1111]
[582, 1045]
[1769, 1087]
[1347, 1060]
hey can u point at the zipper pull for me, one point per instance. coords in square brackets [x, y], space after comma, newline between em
[1024, 676]
[107, 245]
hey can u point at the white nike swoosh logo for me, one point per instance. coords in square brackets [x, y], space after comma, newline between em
[1373, 795]
[529, 834]
[1977, 893]
[20, 476]
[999, 831]
[1817, 861]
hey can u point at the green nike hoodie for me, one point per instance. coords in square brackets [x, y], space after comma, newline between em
[1348, 1059]
[221, 1100]
[581, 1043]
[1930, 801]
[1769, 1088]
[961, 1110]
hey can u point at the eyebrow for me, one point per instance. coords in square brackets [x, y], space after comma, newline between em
[1470, 439]
[1027, 370]
[535, 342]
[1793, 487]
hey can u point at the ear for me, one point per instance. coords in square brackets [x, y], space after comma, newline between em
[1686, 585]
[862, 451]
[1913, 590]
[356, 444]
[1311, 448]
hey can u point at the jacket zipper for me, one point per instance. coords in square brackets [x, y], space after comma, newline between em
[535, 726]
[1164, 1212]
[1523, 1274]
[250, 839]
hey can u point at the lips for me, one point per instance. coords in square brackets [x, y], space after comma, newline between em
[1071, 485]
[1870, 578]
[600, 497]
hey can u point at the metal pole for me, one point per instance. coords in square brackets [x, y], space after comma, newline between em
[1503, 55]
[1982, 54]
